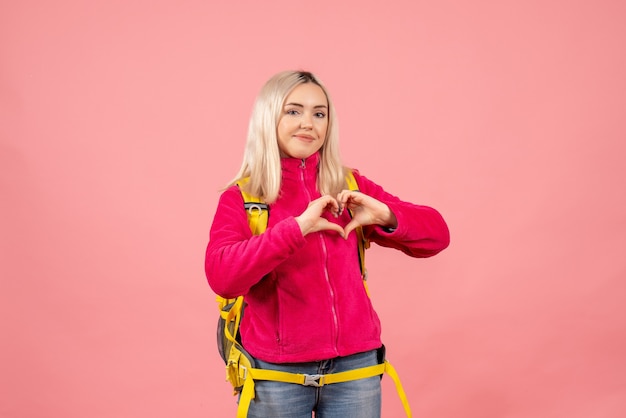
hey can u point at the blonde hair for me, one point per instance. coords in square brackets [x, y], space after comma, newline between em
[261, 160]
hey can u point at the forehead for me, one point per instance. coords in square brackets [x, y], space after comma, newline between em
[307, 94]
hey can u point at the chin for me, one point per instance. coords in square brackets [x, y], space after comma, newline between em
[300, 155]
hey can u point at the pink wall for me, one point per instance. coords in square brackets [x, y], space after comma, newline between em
[120, 120]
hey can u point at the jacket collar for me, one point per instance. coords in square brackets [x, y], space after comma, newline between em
[291, 165]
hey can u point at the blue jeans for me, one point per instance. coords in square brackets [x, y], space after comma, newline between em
[354, 399]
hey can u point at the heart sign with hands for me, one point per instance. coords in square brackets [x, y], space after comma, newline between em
[311, 219]
[365, 211]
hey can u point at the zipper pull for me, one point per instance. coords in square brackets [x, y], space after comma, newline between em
[303, 164]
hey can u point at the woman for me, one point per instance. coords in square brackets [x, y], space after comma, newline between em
[307, 309]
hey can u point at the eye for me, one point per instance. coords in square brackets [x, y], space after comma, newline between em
[292, 112]
[320, 115]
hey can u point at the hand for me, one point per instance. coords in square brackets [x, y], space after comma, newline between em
[365, 211]
[311, 219]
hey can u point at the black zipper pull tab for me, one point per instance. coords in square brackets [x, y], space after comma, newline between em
[303, 164]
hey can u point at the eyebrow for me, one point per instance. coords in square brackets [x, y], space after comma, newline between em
[299, 105]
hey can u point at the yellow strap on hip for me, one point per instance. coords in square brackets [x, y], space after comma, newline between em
[250, 375]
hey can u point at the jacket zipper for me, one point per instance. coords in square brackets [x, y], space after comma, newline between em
[325, 253]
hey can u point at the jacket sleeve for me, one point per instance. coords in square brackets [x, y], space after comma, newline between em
[235, 259]
[421, 232]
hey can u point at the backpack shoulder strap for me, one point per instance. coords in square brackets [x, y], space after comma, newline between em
[352, 184]
[256, 208]
[362, 241]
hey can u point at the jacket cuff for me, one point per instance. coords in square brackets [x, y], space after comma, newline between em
[399, 230]
[292, 232]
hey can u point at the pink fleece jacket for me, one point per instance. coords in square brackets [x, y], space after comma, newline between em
[306, 300]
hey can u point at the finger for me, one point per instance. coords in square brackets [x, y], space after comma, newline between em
[336, 228]
[324, 203]
[328, 200]
[325, 225]
[331, 205]
[352, 225]
[343, 198]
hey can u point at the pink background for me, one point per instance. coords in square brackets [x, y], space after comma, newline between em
[120, 120]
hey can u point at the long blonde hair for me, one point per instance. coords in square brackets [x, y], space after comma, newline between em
[261, 160]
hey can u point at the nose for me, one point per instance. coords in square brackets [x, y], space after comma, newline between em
[306, 121]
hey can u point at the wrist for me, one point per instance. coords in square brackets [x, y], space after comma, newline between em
[391, 221]
[304, 229]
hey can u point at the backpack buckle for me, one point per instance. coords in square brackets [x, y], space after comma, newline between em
[315, 380]
[243, 372]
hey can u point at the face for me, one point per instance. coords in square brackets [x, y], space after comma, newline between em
[304, 121]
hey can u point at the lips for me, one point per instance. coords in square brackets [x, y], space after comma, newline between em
[304, 137]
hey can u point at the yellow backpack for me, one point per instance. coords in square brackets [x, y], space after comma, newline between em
[240, 366]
